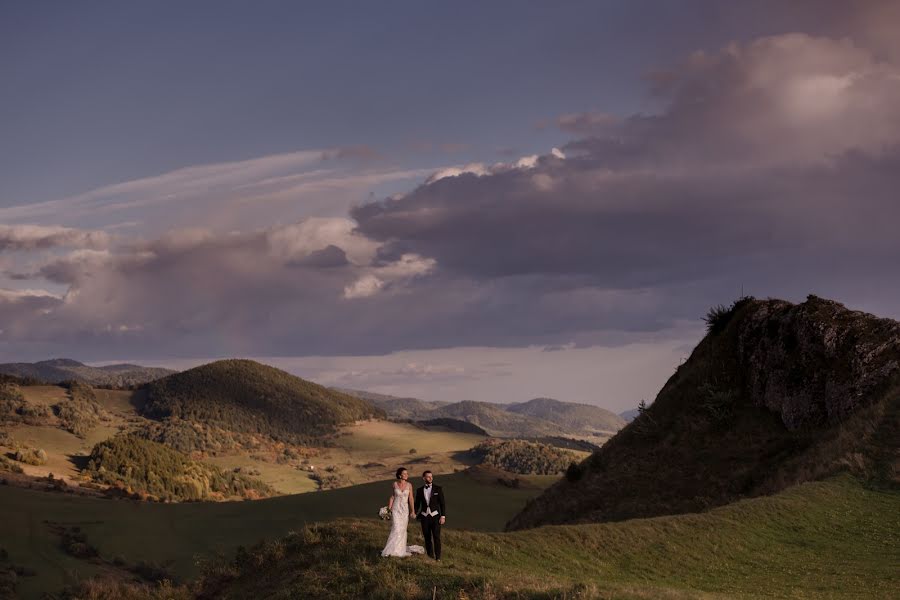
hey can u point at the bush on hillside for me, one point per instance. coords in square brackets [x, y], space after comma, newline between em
[31, 456]
[718, 317]
[9, 466]
[524, 458]
[11, 402]
[147, 468]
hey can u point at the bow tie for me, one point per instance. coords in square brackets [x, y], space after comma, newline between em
[427, 485]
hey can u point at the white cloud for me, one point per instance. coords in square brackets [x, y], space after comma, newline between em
[365, 286]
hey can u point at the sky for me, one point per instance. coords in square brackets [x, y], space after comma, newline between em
[486, 201]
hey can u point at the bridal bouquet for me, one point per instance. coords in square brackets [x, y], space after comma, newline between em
[384, 514]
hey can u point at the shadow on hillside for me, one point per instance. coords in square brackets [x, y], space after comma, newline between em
[138, 399]
[466, 457]
[79, 461]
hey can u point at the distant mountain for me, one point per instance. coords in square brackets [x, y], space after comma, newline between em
[630, 415]
[571, 416]
[775, 394]
[537, 418]
[397, 407]
[249, 397]
[497, 421]
[62, 369]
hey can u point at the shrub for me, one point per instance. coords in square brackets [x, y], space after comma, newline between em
[11, 402]
[31, 456]
[718, 317]
[9, 466]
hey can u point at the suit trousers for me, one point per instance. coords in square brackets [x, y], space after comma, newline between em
[431, 530]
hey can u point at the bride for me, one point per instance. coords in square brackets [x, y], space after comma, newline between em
[401, 506]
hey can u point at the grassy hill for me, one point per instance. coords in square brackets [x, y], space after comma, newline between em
[250, 397]
[176, 535]
[774, 395]
[58, 370]
[830, 539]
[570, 415]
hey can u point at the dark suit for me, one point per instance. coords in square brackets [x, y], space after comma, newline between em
[431, 525]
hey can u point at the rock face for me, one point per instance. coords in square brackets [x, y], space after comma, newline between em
[774, 395]
[815, 362]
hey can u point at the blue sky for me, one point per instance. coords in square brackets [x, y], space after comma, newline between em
[450, 200]
[102, 92]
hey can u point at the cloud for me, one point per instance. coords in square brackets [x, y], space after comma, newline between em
[586, 123]
[359, 152]
[252, 193]
[772, 165]
[40, 237]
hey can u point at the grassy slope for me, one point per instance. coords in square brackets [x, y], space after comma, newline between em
[832, 539]
[159, 532]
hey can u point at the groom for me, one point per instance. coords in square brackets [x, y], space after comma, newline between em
[430, 512]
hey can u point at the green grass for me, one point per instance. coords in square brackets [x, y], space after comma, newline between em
[160, 532]
[285, 478]
[832, 539]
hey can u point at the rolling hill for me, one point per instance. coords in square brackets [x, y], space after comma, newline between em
[64, 369]
[249, 397]
[570, 415]
[774, 395]
[537, 418]
[397, 407]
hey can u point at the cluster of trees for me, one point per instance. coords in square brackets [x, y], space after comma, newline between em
[16, 409]
[81, 411]
[191, 437]
[249, 397]
[156, 472]
[524, 458]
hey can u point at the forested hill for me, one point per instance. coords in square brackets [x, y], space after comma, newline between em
[250, 397]
[58, 370]
[775, 394]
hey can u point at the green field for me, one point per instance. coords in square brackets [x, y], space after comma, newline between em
[156, 532]
[831, 539]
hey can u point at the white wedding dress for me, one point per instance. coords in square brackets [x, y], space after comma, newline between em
[396, 542]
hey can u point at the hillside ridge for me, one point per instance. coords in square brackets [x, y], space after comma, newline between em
[775, 394]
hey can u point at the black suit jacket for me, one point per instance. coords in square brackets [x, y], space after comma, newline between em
[437, 501]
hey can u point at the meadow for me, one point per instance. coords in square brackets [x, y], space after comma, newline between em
[174, 535]
[829, 539]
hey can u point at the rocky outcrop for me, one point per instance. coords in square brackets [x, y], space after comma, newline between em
[815, 362]
[776, 394]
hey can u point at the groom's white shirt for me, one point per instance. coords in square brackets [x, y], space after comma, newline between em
[428, 502]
